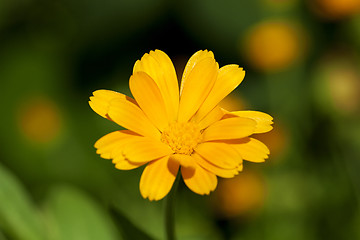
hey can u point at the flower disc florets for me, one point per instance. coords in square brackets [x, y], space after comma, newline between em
[182, 137]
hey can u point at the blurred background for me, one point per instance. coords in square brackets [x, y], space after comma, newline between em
[302, 67]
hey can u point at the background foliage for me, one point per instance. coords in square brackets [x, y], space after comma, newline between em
[302, 66]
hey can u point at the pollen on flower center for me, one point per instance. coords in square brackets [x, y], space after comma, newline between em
[182, 137]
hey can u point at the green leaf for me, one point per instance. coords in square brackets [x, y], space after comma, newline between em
[193, 218]
[129, 229]
[142, 214]
[18, 216]
[2, 236]
[72, 215]
[145, 215]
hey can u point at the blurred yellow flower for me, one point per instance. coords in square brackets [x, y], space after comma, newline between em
[277, 141]
[273, 45]
[239, 196]
[337, 84]
[39, 120]
[335, 9]
[168, 128]
[344, 88]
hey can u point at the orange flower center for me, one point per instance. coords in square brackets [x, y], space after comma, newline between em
[182, 137]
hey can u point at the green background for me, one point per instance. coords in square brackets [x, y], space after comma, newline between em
[58, 52]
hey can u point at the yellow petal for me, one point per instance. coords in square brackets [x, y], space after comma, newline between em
[184, 160]
[221, 172]
[199, 180]
[148, 96]
[127, 165]
[130, 116]
[158, 178]
[197, 87]
[194, 59]
[100, 102]
[106, 144]
[219, 154]
[213, 116]
[263, 120]
[160, 68]
[112, 146]
[229, 128]
[230, 76]
[250, 149]
[145, 149]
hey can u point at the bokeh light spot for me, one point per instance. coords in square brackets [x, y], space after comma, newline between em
[273, 45]
[39, 120]
[240, 196]
[335, 9]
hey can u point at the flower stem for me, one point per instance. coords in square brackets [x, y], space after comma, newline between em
[170, 211]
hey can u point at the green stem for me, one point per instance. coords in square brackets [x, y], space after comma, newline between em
[170, 211]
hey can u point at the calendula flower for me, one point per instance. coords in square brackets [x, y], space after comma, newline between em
[168, 128]
[334, 10]
[242, 195]
[273, 45]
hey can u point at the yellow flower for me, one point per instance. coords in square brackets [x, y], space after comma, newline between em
[335, 9]
[39, 119]
[242, 195]
[169, 129]
[274, 45]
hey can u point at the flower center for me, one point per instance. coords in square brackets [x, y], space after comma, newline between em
[182, 137]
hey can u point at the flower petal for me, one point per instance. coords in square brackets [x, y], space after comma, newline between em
[229, 128]
[160, 68]
[106, 144]
[184, 160]
[263, 120]
[219, 154]
[158, 178]
[194, 59]
[213, 116]
[148, 96]
[221, 172]
[250, 149]
[124, 164]
[145, 149]
[197, 87]
[130, 116]
[199, 180]
[100, 102]
[230, 76]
